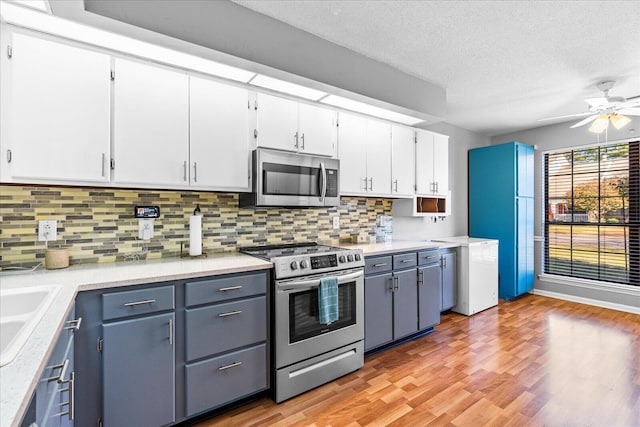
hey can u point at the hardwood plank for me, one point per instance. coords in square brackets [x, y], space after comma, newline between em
[530, 361]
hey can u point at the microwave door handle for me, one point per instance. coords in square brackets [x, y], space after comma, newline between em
[323, 185]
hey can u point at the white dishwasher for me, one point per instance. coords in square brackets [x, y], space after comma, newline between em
[477, 274]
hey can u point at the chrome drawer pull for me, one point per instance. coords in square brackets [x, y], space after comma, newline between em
[380, 265]
[74, 324]
[133, 304]
[71, 412]
[406, 260]
[231, 313]
[233, 365]
[230, 288]
[430, 257]
[63, 371]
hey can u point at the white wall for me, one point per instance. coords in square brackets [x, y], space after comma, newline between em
[556, 137]
[460, 141]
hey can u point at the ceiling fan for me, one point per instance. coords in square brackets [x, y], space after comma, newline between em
[605, 109]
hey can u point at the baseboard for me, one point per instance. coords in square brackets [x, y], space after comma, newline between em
[589, 301]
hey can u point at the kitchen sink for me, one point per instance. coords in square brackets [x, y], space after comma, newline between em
[21, 309]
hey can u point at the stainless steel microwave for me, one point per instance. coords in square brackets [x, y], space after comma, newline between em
[292, 179]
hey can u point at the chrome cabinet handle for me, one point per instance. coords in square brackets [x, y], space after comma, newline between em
[365, 183]
[396, 283]
[74, 324]
[371, 184]
[133, 304]
[232, 365]
[382, 264]
[170, 331]
[421, 277]
[302, 141]
[103, 157]
[230, 288]
[184, 170]
[405, 260]
[195, 172]
[395, 183]
[63, 370]
[230, 313]
[296, 137]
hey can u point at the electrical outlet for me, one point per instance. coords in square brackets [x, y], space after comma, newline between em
[47, 230]
[336, 222]
[145, 228]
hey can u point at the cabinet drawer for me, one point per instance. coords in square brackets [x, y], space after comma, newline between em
[225, 288]
[222, 327]
[404, 261]
[223, 379]
[377, 264]
[133, 303]
[428, 257]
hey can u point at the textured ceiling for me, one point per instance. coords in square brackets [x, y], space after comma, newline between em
[504, 64]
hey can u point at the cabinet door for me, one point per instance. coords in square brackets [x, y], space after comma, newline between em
[219, 143]
[405, 309]
[403, 161]
[58, 112]
[424, 163]
[524, 170]
[524, 245]
[139, 372]
[151, 125]
[379, 157]
[378, 310]
[449, 285]
[441, 164]
[277, 123]
[429, 295]
[317, 130]
[352, 136]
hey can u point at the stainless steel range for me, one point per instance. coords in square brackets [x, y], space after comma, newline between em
[306, 352]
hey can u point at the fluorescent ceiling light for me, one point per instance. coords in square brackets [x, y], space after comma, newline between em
[36, 4]
[599, 124]
[61, 27]
[286, 87]
[348, 104]
[619, 121]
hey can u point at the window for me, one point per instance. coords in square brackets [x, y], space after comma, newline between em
[592, 226]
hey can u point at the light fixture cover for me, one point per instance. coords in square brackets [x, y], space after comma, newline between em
[286, 87]
[599, 124]
[361, 107]
[619, 121]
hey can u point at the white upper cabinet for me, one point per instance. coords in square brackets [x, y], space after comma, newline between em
[151, 125]
[365, 156]
[403, 161]
[432, 164]
[56, 102]
[219, 139]
[293, 126]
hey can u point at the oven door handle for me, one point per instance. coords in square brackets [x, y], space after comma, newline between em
[314, 283]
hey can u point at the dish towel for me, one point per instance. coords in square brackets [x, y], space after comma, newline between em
[328, 300]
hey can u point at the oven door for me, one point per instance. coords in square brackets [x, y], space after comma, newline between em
[298, 333]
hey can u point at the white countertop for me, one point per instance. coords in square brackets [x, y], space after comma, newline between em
[18, 379]
[370, 249]
[467, 241]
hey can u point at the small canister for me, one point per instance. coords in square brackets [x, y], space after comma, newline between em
[56, 258]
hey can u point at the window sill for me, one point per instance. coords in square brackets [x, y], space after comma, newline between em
[591, 284]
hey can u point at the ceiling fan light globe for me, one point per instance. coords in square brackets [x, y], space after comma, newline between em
[618, 121]
[599, 124]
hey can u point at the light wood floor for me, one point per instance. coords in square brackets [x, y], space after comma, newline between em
[535, 361]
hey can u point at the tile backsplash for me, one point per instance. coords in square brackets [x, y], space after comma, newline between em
[97, 225]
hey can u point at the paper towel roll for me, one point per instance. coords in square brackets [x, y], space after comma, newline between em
[195, 235]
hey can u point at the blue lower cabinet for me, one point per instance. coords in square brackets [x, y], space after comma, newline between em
[449, 281]
[378, 313]
[405, 308]
[223, 379]
[429, 295]
[139, 372]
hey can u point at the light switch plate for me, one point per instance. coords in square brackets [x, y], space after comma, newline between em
[47, 230]
[336, 222]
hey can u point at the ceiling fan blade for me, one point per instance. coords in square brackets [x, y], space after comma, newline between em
[585, 121]
[566, 117]
[597, 102]
[629, 111]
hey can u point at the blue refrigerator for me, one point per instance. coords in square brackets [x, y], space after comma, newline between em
[501, 207]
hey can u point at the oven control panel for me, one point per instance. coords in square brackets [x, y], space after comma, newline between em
[301, 265]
